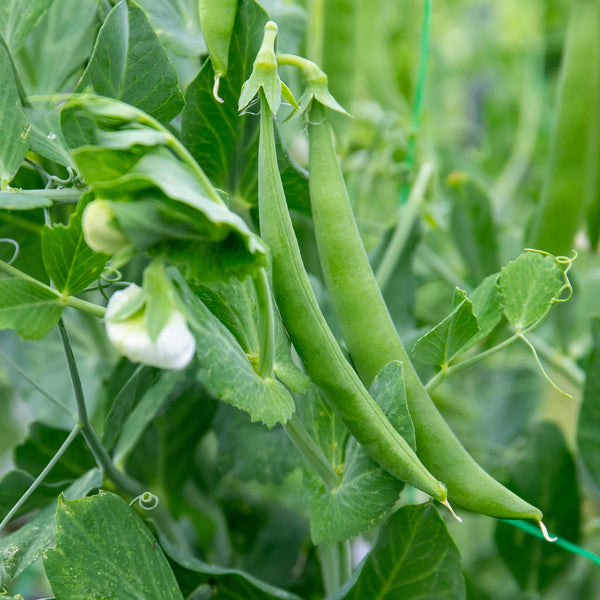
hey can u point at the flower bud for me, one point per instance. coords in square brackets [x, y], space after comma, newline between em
[100, 230]
[173, 348]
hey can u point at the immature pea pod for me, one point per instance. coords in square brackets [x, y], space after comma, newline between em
[217, 18]
[373, 340]
[312, 338]
[570, 180]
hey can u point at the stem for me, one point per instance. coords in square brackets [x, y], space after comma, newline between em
[345, 561]
[130, 486]
[84, 306]
[316, 31]
[63, 407]
[329, 557]
[65, 445]
[64, 196]
[266, 324]
[404, 227]
[461, 366]
[311, 452]
[10, 270]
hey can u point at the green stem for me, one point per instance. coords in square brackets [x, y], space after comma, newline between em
[40, 478]
[128, 485]
[419, 95]
[266, 324]
[64, 196]
[345, 561]
[311, 452]
[83, 305]
[404, 227]
[63, 407]
[329, 558]
[316, 31]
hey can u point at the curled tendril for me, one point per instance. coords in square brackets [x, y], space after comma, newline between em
[146, 501]
[16, 247]
[564, 263]
[109, 276]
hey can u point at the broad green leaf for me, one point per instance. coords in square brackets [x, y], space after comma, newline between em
[588, 425]
[18, 18]
[143, 413]
[414, 558]
[226, 371]
[14, 140]
[448, 338]
[103, 547]
[70, 263]
[29, 308]
[487, 307]
[21, 548]
[46, 138]
[528, 285]
[367, 492]
[165, 455]
[59, 46]
[227, 583]
[16, 200]
[15, 483]
[130, 64]
[218, 137]
[473, 228]
[544, 475]
[250, 452]
[41, 445]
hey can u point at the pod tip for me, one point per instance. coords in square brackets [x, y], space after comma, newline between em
[447, 505]
[547, 536]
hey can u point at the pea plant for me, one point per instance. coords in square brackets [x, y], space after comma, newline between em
[299, 300]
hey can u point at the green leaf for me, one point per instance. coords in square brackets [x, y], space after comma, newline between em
[14, 140]
[529, 286]
[250, 452]
[165, 455]
[70, 263]
[29, 308]
[367, 492]
[16, 200]
[226, 371]
[473, 228]
[588, 425]
[46, 138]
[544, 475]
[487, 307]
[230, 584]
[41, 445]
[59, 46]
[103, 547]
[128, 64]
[218, 137]
[414, 558]
[449, 337]
[21, 548]
[143, 413]
[18, 18]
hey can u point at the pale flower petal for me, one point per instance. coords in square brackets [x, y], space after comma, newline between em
[173, 349]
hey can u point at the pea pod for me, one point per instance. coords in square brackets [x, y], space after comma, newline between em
[570, 180]
[312, 338]
[217, 18]
[373, 340]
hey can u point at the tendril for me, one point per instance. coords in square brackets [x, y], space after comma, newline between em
[564, 263]
[16, 247]
[146, 501]
[109, 276]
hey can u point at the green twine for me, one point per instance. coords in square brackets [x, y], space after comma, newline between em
[564, 544]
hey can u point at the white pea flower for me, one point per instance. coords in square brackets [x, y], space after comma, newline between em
[100, 231]
[173, 348]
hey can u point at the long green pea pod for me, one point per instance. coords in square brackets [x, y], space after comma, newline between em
[217, 18]
[571, 176]
[373, 340]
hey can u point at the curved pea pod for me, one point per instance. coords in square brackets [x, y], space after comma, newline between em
[217, 18]
[571, 176]
[373, 340]
[312, 338]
